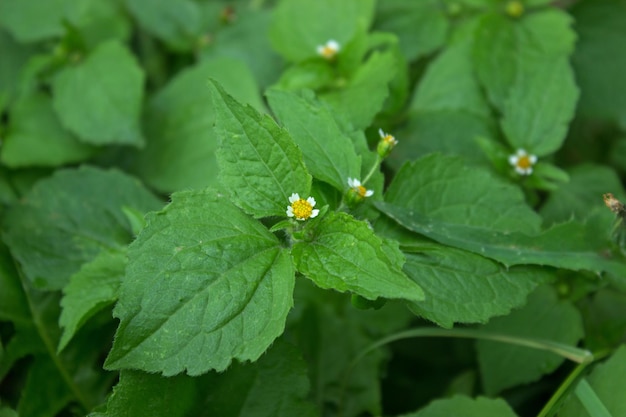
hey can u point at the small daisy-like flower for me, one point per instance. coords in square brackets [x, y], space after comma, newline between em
[356, 192]
[301, 209]
[358, 188]
[329, 49]
[386, 144]
[523, 162]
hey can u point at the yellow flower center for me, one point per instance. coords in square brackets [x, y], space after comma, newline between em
[361, 190]
[515, 8]
[524, 162]
[389, 140]
[328, 52]
[301, 209]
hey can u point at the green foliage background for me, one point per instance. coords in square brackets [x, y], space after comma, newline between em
[150, 148]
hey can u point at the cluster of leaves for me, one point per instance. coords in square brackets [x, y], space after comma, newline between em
[117, 302]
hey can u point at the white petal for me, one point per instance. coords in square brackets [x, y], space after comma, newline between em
[513, 159]
[333, 44]
[520, 171]
[521, 152]
[294, 197]
[532, 159]
[381, 133]
[369, 193]
[351, 182]
[289, 211]
[311, 201]
[314, 213]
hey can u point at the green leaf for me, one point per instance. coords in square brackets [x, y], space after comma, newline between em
[13, 305]
[177, 22]
[8, 412]
[331, 333]
[504, 49]
[448, 109]
[444, 189]
[572, 245]
[141, 394]
[544, 317]
[37, 138]
[68, 219]
[344, 254]
[450, 83]
[180, 153]
[240, 40]
[600, 27]
[496, 52]
[540, 106]
[205, 284]
[98, 21]
[108, 109]
[300, 26]
[421, 26]
[259, 163]
[604, 315]
[461, 287]
[365, 92]
[582, 195]
[251, 389]
[607, 381]
[90, 290]
[328, 153]
[450, 132]
[32, 20]
[466, 407]
[43, 399]
[14, 59]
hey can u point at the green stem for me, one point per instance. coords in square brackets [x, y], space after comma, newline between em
[581, 356]
[553, 405]
[588, 397]
[373, 169]
[50, 345]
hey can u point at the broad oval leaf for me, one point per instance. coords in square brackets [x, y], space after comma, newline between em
[444, 188]
[37, 138]
[466, 407]
[540, 106]
[544, 317]
[300, 26]
[344, 254]
[462, 287]
[69, 218]
[328, 153]
[205, 284]
[259, 163]
[179, 122]
[109, 83]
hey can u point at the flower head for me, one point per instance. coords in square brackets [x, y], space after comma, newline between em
[523, 162]
[386, 144]
[301, 209]
[358, 188]
[329, 49]
[357, 192]
[514, 8]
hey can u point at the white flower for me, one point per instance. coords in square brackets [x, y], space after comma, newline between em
[329, 49]
[360, 190]
[523, 162]
[301, 209]
[387, 138]
[386, 144]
